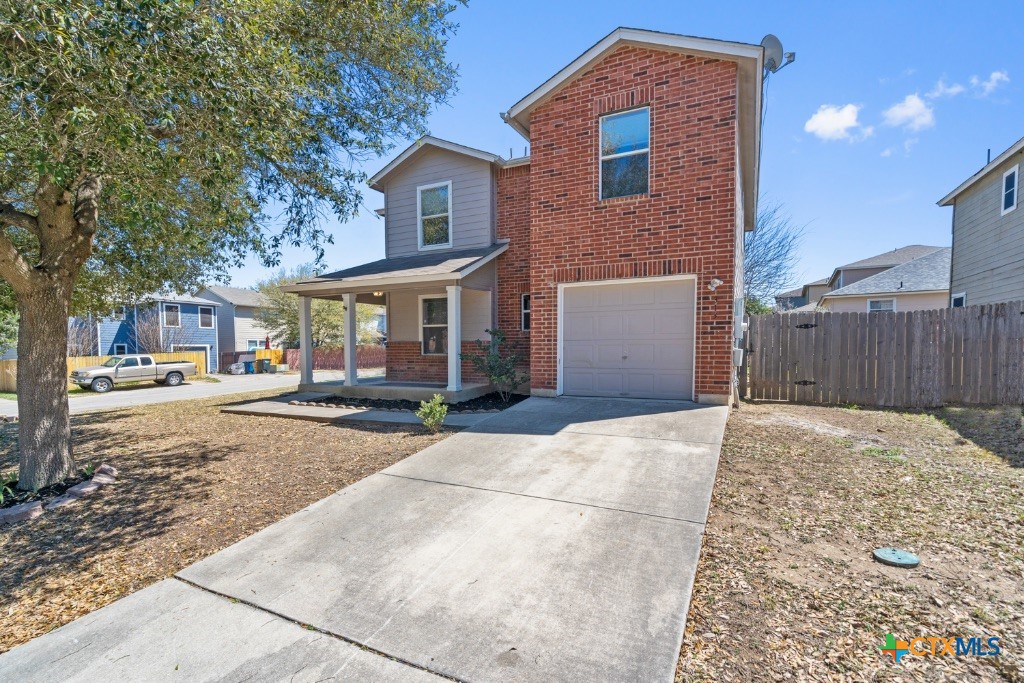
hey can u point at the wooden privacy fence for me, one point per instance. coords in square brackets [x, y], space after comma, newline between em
[917, 359]
[9, 368]
[333, 358]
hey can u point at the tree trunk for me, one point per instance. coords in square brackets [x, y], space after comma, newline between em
[44, 435]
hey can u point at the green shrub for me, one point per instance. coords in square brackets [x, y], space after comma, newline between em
[7, 482]
[433, 412]
[498, 365]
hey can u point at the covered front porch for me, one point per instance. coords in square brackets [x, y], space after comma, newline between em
[438, 305]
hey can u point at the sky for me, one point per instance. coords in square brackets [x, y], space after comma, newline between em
[887, 108]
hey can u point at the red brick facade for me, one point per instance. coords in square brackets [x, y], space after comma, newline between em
[406, 363]
[513, 224]
[687, 222]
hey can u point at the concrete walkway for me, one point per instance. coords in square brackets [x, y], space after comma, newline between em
[557, 540]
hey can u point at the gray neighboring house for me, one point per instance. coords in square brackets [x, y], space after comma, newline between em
[238, 327]
[802, 296]
[988, 233]
[920, 284]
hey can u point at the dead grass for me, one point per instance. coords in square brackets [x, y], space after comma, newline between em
[191, 481]
[786, 588]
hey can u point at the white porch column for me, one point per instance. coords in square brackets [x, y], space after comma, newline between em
[305, 341]
[351, 336]
[454, 337]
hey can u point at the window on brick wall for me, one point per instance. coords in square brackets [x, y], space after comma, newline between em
[525, 312]
[434, 328]
[625, 153]
[434, 215]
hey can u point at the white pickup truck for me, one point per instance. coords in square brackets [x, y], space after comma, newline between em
[132, 368]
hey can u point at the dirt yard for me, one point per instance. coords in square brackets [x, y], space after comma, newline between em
[786, 587]
[191, 482]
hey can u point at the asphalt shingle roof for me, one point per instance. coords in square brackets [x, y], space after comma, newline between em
[892, 258]
[923, 274]
[428, 263]
[239, 296]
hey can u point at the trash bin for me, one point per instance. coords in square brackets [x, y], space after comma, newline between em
[250, 367]
[264, 364]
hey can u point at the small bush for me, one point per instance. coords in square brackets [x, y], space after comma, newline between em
[433, 412]
[497, 365]
[7, 482]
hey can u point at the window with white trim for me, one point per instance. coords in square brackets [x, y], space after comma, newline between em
[206, 317]
[118, 313]
[958, 300]
[253, 344]
[1009, 193]
[434, 215]
[525, 313]
[625, 153]
[172, 315]
[876, 305]
[120, 349]
[434, 328]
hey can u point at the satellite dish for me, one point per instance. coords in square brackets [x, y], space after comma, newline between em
[772, 53]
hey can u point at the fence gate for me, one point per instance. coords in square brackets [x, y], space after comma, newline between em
[918, 359]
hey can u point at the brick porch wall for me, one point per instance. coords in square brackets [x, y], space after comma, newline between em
[513, 224]
[405, 363]
[687, 222]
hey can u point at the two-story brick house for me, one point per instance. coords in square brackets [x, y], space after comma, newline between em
[613, 252]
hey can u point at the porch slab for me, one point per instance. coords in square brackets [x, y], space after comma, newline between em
[379, 387]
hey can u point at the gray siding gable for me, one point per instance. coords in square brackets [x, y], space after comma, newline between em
[988, 248]
[473, 205]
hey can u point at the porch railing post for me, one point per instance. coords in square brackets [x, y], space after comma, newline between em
[351, 340]
[305, 341]
[454, 337]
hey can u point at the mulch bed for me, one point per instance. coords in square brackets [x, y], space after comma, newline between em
[15, 497]
[492, 401]
[191, 481]
[786, 588]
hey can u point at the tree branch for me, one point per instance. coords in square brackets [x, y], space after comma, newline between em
[13, 266]
[19, 219]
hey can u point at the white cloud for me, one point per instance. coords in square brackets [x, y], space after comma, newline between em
[908, 144]
[943, 90]
[912, 113]
[995, 79]
[887, 152]
[832, 122]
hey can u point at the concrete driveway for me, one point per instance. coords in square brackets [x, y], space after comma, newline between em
[557, 540]
[149, 392]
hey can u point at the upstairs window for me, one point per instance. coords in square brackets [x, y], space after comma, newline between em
[876, 305]
[206, 317]
[625, 153]
[172, 315]
[118, 313]
[434, 215]
[1009, 195]
[526, 313]
[434, 331]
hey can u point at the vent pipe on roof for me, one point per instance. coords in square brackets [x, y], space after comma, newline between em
[988, 160]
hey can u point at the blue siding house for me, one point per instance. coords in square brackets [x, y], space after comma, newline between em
[165, 323]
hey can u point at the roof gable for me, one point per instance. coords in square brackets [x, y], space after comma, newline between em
[428, 142]
[928, 273]
[1015, 148]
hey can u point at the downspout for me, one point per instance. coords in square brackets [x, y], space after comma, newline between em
[135, 327]
[99, 345]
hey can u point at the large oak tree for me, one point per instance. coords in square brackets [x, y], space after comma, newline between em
[150, 145]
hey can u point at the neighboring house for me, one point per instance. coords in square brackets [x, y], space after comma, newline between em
[168, 322]
[239, 328]
[916, 285]
[613, 254]
[988, 233]
[812, 295]
[802, 296]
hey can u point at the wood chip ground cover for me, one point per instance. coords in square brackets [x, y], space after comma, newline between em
[786, 588]
[191, 481]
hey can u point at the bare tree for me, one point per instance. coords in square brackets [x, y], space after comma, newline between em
[82, 338]
[769, 256]
[152, 337]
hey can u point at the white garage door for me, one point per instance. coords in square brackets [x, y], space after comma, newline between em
[630, 340]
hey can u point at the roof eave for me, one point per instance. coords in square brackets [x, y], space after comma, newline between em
[428, 141]
[832, 295]
[950, 198]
